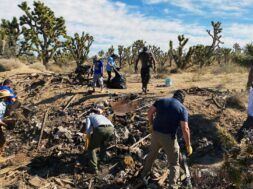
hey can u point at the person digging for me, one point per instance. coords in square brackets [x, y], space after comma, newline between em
[170, 113]
[147, 61]
[99, 130]
[4, 97]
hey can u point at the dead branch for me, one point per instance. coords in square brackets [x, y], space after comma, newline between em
[42, 127]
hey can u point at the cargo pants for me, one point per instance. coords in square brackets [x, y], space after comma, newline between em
[171, 148]
[99, 138]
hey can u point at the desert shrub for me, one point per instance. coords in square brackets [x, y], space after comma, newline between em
[67, 66]
[128, 69]
[228, 68]
[38, 66]
[9, 64]
[237, 167]
[27, 59]
[227, 140]
[243, 59]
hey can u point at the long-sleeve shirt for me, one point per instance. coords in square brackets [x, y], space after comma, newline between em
[95, 120]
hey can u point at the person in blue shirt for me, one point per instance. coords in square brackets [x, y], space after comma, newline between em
[7, 85]
[4, 96]
[98, 72]
[110, 66]
[165, 116]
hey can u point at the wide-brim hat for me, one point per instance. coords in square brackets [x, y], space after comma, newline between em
[99, 57]
[98, 108]
[5, 93]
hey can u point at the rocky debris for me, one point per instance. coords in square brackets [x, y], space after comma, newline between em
[61, 160]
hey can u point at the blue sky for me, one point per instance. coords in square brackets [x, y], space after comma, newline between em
[114, 22]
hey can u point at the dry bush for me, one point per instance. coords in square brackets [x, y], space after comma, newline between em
[38, 66]
[128, 69]
[227, 68]
[69, 66]
[227, 140]
[197, 75]
[9, 64]
[237, 167]
[161, 75]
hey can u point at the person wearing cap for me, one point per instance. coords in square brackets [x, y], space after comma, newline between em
[4, 96]
[7, 85]
[170, 113]
[110, 66]
[147, 61]
[99, 130]
[98, 68]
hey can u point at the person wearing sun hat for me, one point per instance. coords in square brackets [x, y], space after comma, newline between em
[4, 96]
[99, 131]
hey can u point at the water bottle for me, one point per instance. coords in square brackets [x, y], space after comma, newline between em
[168, 82]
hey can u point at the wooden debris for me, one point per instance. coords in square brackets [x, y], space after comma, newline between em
[141, 140]
[69, 102]
[163, 178]
[42, 127]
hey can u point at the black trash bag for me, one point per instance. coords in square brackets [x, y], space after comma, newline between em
[118, 82]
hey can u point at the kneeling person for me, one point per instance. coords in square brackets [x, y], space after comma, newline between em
[99, 130]
[4, 96]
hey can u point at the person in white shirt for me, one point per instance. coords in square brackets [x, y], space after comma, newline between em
[99, 131]
[248, 124]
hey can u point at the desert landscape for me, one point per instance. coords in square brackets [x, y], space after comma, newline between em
[45, 147]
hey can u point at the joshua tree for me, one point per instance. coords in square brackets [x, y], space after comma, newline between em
[160, 56]
[204, 55]
[127, 55]
[41, 30]
[9, 36]
[226, 54]
[215, 35]
[110, 51]
[182, 60]
[120, 52]
[79, 46]
[237, 48]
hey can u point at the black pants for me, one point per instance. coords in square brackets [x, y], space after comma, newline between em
[247, 125]
[145, 77]
[109, 76]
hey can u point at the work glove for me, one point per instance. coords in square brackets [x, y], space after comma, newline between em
[189, 150]
[150, 127]
[87, 141]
